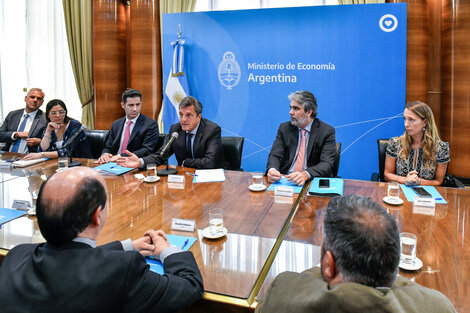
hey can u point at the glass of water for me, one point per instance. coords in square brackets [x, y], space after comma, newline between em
[393, 191]
[63, 162]
[216, 220]
[151, 170]
[257, 181]
[34, 196]
[408, 244]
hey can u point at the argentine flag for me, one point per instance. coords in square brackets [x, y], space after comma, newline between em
[176, 87]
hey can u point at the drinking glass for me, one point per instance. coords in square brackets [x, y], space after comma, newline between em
[393, 191]
[408, 244]
[151, 170]
[257, 181]
[63, 162]
[216, 220]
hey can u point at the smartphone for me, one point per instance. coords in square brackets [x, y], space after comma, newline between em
[422, 192]
[324, 183]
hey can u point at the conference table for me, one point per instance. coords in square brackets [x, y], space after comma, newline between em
[266, 234]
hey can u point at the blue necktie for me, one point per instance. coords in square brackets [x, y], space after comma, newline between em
[18, 141]
[188, 144]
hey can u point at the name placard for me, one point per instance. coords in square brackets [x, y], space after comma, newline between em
[284, 191]
[424, 202]
[21, 204]
[6, 166]
[176, 179]
[182, 224]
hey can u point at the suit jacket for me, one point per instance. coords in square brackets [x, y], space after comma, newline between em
[11, 123]
[75, 277]
[143, 138]
[307, 292]
[320, 151]
[207, 147]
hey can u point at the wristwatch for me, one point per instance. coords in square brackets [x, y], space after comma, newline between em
[42, 154]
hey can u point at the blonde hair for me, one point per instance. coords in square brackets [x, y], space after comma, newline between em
[430, 134]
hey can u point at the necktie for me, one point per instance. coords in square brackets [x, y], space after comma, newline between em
[188, 144]
[299, 163]
[127, 134]
[18, 141]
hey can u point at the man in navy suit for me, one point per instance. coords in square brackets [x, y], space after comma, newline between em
[134, 132]
[69, 273]
[198, 144]
[304, 147]
[22, 129]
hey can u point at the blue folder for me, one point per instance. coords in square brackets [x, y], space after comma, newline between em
[7, 215]
[336, 187]
[284, 182]
[179, 241]
[410, 193]
[112, 168]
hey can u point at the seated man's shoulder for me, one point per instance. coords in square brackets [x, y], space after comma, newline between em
[148, 120]
[209, 123]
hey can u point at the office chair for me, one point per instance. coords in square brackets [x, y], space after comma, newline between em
[335, 168]
[97, 139]
[233, 148]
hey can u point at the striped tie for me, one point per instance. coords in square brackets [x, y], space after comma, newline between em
[299, 163]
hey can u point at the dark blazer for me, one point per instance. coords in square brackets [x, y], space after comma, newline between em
[75, 277]
[207, 147]
[143, 138]
[11, 123]
[80, 148]
[320, 152]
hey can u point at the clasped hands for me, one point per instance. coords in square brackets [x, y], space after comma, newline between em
[298, 178]
[131, 160]
[412, 179]
[152, 244]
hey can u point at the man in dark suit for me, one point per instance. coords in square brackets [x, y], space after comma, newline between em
[69, 273]
[134, 132]
[305, 147]
[198, 144]
[22, 129]
[359, 262]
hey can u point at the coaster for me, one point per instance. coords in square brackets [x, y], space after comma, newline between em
[257, 187]
[151, 179]
[206, 232]
[393, 201]
[411, 267]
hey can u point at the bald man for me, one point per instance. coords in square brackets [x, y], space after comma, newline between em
[69, 273]
[22, 129]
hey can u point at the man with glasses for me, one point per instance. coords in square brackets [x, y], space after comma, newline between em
[198, 144]
[22, 129]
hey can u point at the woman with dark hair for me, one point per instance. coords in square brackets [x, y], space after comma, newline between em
[418, 157]
[59, 129]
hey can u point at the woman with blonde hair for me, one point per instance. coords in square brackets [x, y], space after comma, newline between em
[418, 157]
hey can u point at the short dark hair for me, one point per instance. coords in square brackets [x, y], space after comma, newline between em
[60, 222]
[131, 93]
[190, 101]
[52, 104]
[363, 239]
[306, 99]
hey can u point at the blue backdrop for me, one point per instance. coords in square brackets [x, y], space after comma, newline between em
[242, 65]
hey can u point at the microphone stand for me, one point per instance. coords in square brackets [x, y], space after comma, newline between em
[71, 162]
[167, 171]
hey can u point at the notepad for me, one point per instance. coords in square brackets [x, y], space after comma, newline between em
[7, 215]
[112, 168]
[209, 176]
[24, 163]
[179, 241]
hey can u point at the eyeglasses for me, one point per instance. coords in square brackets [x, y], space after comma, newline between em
[57, 113]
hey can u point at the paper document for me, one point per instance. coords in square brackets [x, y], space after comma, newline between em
[207, 176]
[24, 163]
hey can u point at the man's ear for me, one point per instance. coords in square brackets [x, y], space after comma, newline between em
[329, 267]
[96, 217]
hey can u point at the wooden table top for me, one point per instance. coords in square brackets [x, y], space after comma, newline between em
[442, 242]
[236, 266]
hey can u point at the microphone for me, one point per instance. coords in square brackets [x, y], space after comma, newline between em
[174, 136]
[71, 139]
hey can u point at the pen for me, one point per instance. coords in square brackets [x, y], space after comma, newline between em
[438, 199]
[184, 244]
[188, 173]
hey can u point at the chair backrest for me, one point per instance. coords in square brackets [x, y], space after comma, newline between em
[335, 168]
[97, 139]
[233, 148]
[382, 145]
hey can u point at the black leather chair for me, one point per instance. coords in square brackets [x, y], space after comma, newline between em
[233, 148]
[97, 139]
[338, 156]
[382, 145]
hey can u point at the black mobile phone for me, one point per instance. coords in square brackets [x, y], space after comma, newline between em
[421, 192]
[324, 183]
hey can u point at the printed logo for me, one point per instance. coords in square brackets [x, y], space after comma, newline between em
[229, 71]
[388, 23]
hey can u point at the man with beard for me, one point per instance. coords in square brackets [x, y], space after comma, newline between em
[358, 270]
[305, 147]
